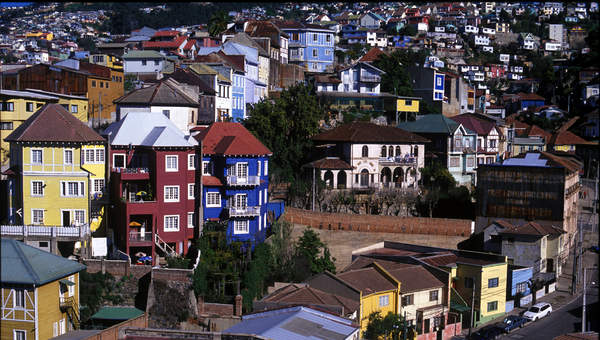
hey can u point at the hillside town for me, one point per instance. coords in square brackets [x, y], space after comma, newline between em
[299, 170]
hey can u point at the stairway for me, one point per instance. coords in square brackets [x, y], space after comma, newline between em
[162, 245]
[69, 305]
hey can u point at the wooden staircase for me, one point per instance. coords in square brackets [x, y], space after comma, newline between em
[69, 305]
[162, 245]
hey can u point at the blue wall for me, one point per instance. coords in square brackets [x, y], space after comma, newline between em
[516, 276]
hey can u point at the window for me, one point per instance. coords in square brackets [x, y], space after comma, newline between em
[240, 227]
[29, 106]
[36, 156]
[408, 102]
[315, 53]
[118, 161]
[167, 113]
[242, 170]
[37, 216]
[266, 196]
[20, 334]
[75, 109]
[68, 157]
[241, 201]
[72, 189]
[468, 282]
[266, 168]
[521, 287]
[171, 163]
[19, 298]
[206, 168]
[457, 143]
[171, 193]
[171, 223]
[493, 282]
[72, 287]
[191, 162]
[492, 306]
[93, 83]
[454, 162]
[328, 37]
[260, 197]
[384, 300]
[408, 300]
[37, 188]
[365, 151]
[492, 143]
[89, 156]
[55, 328]
[258, 169]
[63, 324]
[98, 185]
[143, 62]
[213, 199]
[101, 85]
[433, 295]
[100, 155]
[190, 221]
[295, 36]
[6, 126]
[470, 162]
[156, 63]
[9, 106]
[191, 191]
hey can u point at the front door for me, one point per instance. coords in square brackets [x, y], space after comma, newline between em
[66, 218]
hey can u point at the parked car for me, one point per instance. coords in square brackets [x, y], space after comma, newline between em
[538, 311]
[511, 322]
[486, 333]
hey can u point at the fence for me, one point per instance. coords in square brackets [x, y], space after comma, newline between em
[47, 231]
[375, 223]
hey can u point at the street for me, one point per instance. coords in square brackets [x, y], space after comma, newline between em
[565, 320]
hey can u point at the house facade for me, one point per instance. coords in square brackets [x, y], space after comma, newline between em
[235, 177]
[310, 46]
[143, 62]
[489, 137]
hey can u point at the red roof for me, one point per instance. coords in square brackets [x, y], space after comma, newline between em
[372, 55]
[230, 139]
[530, 96]
[165, 34]
[189, 44]
[211, 181]
[482, 127]
[566, 138]
[165, 44]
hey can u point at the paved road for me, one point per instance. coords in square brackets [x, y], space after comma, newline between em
[565, 320]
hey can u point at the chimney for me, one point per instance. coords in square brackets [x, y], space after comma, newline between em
[238, 305]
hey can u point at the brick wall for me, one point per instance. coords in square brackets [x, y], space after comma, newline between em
[166, 274]
[116, 267]
[380, 224]
[112, 333]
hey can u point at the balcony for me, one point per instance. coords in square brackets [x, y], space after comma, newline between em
[296, 57]
[245, 211]
[138, 237]
[397, 160]
[368, 78]
[132, 173]
[248, 180]
[45, 231]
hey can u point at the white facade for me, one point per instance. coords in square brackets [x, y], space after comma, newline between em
[183, 117]
[489, 49]
[377, 41]
[143, 65]
[555, 32]
[529, 44]
[489, 31]
[482, 40]
[505, 58]
[471, 29]
[553, 46]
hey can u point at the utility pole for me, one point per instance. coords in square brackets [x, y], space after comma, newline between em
[472, 309]
[313, 190]
[583, 312]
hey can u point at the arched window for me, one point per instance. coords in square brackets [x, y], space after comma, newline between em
[365, 151]
[416, 151]
[391, 151]
[383, 152]
[398, 151]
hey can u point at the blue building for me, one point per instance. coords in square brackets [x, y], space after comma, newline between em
[235, 178]
[310, 46]
[354, 34]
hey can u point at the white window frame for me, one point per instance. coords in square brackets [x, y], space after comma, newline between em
[63, 326]
[206, 168]
[124, 159]
[165, 223]
[238, 169]
[74, 108]
[55, 328]
[266, 200]
[166, 189]
[167, 169]
[237, 200]
[241, 227]
[33, 194]
[191, 162]
[64, 188]
[211, 198]
[33, 219]
[65, 152]
[259, 222]
[19, 331]
[95, 182]
[72, 287]
[22, 299]
[258, 169]
[259, 197]
[190, 220]
[384, 300]
[75, 213]
[191, 191]
[41, 151]
[99, 155]
[92, 156]
[266, 168]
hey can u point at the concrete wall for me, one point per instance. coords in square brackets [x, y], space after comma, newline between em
[116, 267]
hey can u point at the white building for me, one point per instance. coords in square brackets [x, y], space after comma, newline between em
[481, 40]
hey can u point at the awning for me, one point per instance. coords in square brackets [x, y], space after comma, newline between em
[67, 282]
[459, 308]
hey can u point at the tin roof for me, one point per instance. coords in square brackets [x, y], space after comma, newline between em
[230, 139]
[147, 129]
[362, 132]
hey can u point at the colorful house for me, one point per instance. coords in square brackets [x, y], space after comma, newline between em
[235, 178]
[57, 164]
[153, 185]
[310, 46]
[40, 292]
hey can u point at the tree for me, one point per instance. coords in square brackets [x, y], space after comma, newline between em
[285, 126]
[392, 326]
[256, 279]
[88, 44]
[218, 23]
[307, 260]
[396, 79]
[282, 250]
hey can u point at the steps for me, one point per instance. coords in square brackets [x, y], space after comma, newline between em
[162, 245]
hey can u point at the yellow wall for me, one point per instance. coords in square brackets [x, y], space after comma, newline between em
[402, 107]
[52, 172]
[21, 320]
[108, 94]
[49, 36]
[370, 304]
[493, 294]
[82, 107]
[564, 148]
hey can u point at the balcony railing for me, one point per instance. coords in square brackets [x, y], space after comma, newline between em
[140, 237]
[51, 231]
[370, 78]
[131, 170]
[246, 211]
[398, 160]
[248, 180]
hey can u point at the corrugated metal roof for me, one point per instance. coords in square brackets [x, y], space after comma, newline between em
[117, 313]
[434, 123]
[23, 264]
[26, 94]
[295, 323]
[136, 54]
[147, 129]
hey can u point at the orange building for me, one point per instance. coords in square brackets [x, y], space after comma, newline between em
[104, 86]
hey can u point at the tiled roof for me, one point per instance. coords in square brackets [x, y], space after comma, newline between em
[189, 44]
[566, 138]
[373, 54]
[415, 278]
[533, 228]
[327, 79]
[307, 295]
[26, 265]
[165, 44]
[482, 127]
[52, 123]
[330, 163]
[361, 132]
[186, 76]
[562, 161]
[165, 34]
[163, 93]
[230, 139]
[368, 280]
[432, 123]
[211, 181]
[530, 96]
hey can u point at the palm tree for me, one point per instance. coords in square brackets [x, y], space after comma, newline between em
[218, 23]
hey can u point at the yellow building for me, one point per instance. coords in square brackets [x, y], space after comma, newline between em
[37, 303]
[57, 163]
[404, 105]
[17, 106]
[107, 60]
[42, 35]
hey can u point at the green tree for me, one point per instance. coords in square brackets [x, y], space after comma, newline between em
[308, 260]
[396, 79]
[88, 44]
[282, 250]
[285, 126]
[392, 326]
[256, 279]
[218, 23]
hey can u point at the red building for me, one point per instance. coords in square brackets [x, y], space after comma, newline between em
[153, 185]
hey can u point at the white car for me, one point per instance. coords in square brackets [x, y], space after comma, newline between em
[538, 311]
